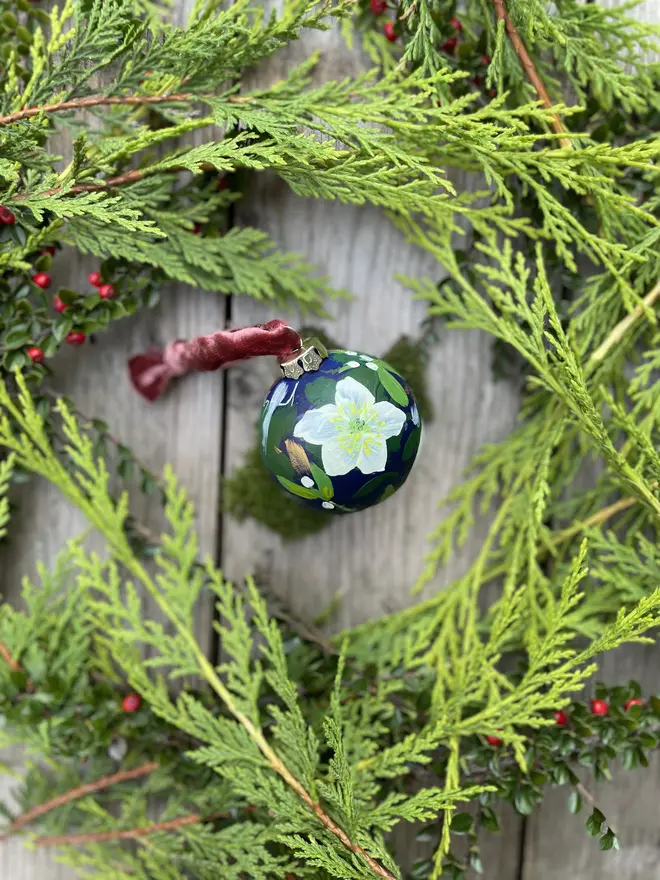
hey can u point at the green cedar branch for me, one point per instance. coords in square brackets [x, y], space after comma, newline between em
[36, 453]
[530, 70]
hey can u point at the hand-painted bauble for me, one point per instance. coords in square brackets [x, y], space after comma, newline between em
[341, 430]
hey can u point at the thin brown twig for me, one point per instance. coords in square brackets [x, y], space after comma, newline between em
[78, 792]
[528, 66]
[127, 833]
[619, 331]
[103, 100]
[595, 519]
[7, 657]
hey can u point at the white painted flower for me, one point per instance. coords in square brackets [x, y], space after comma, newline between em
[307, 482]
[350, 352]
[414, 414]
[352, 364]
[328, 505]
[372, 366]
[365, 357]
[351, 431]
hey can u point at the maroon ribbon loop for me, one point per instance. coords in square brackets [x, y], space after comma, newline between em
[152, 371]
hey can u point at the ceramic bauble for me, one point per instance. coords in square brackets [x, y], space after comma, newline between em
[341, 430]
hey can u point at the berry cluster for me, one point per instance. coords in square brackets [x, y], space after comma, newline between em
[597, 707]
[43, 281]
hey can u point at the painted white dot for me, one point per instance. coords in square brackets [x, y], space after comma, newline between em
[365, 357]
[307, 482]
[350, 352]
[372, 366]
[352, 364]
[328, 505]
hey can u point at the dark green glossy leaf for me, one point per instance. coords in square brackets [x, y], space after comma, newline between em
[461, 823]
[574, 802]
[595, 822]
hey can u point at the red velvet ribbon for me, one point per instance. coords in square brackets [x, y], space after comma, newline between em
[151, 372]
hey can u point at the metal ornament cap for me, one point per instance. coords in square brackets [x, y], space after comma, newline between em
[307, 359]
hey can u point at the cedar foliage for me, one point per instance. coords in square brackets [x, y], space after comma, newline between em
[294, 754]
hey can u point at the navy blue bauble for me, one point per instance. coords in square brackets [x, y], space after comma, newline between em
[344, 436]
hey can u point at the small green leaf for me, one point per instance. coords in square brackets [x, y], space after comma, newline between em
[489, 820]
[295, 489]
[574, 802]
[392, 386]
[523, 803]
[609, 841]
[595, 822]
[461, 823]
[323, 482]
[61, 327]
[16, 337]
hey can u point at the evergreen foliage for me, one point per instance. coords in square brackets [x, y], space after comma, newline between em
[295, 755]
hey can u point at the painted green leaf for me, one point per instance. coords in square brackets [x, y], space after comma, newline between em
[296, 489]
[373, 484]
[391, 385]
[389, 491]
[323, 482]
[320, 391]
[412, 445]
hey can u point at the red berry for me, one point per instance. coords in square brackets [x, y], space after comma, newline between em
[492, 93]
[477, 80]
[106, 291]
[633, 702]
[58, 305]
[599, 707]
[388, 30]
[42, 280]
[450, 45]
[561, 718]
[7, 217]
[222, 183]
[131, 703]
[95, 279]
[36, 355]
[75, 337]
[197, 228]
[485, 59]
[493, 741]
[48, 250]
[378, 7]
[455, 24]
